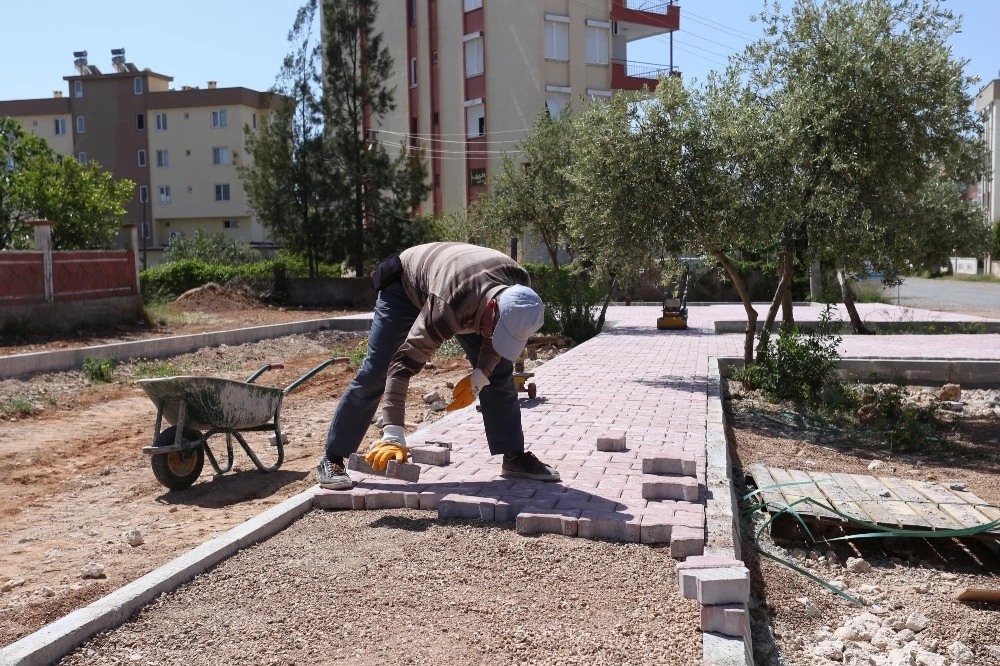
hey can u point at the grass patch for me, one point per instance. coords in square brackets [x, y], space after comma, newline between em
[450, 348]
[145, 369]
[99, 370]
[17, 407]
[871, 292]
[357, 353]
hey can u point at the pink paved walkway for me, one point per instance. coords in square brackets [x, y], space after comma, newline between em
[651, 386]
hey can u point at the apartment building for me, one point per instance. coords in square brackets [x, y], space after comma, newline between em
[178, 145]
[988, 108]
[472, 75]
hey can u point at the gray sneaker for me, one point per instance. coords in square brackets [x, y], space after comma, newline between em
[527, 466]
[333, 475]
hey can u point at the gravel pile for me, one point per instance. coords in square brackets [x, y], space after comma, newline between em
[401, 587]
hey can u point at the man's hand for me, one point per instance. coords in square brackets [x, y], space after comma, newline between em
[392, 446]
[479, 382]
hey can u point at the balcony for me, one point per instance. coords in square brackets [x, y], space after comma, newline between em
[633, 75]
[639, 19]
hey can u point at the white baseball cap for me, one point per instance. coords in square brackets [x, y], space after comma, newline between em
[520, 313]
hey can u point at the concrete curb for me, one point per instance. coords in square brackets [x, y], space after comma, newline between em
[722, 530]
[59, 638]
[20, 365]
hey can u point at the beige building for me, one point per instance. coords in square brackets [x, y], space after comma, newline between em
[472, 75]
[178, 146]
[988, 108]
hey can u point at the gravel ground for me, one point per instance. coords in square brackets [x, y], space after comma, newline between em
[401, 587]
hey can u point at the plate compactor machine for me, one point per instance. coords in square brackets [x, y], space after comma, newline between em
[675, 312]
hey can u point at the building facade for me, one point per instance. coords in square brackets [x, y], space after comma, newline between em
[178, 146]
[988, 108]
[472, 75]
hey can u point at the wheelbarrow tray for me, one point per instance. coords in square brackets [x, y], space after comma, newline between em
[213, 402]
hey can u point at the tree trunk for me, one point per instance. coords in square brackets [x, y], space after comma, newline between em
[780, 296]
[607, 301]
[852, 310]
[741, 289]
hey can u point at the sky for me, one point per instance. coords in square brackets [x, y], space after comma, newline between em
[243, 44]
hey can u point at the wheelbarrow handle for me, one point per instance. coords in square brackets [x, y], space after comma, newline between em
[269, 366]
[298, 382]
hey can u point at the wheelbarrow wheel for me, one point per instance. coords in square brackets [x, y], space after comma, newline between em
[178, 469]
[532, 390]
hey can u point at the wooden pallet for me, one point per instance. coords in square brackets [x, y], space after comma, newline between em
[882, 500]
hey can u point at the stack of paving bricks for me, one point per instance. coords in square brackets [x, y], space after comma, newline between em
[721, 584]
[659, 505]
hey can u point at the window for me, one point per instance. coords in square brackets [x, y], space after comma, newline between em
[254, 119]
[141, 156]
[473, 54]
[555, 102]
[78, 89]
[164, 194]
[222, 192]
[473, 4]
[161, 121]
[411, 12]
[220, 155]
[598, 35]
[231, 224]
[60, 126]
[413, 72]
[80, 125]
[143, 194]
[137, 85]
[475, 118]
[477, 177]
[140, 121]
[219, 118]
[556, 37]
[162, 158]
[82, 158]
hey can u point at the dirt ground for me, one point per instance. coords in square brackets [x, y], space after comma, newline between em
[76, 486]
[798, 622]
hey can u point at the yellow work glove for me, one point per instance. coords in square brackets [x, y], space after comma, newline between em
[392, 446]
[382, 452]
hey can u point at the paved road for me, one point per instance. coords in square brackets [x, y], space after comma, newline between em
[971, 298]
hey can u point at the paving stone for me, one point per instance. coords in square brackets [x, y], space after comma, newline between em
[548, 521]
[729, 619]
[384, 499]
[609, 525]
[333, 499]
[675, 488]
[655, 529]
[726, 585]
[430, 455]
[673, 465]
[611, 442]
[686, 541]
[460, 506]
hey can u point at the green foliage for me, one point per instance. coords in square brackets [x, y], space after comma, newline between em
[570, 298]
[297, 266]
[145, 369]
[450, 348]
[798, 365]
[530, 194]
[995, 241]
[211, 248]
[169, 281]
[99, 370]
[391, 234]
[356, 353]
[14, 329]
[892, 419]
[84, 203]
[16, 407]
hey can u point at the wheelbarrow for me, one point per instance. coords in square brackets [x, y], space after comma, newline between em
[216, 406]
